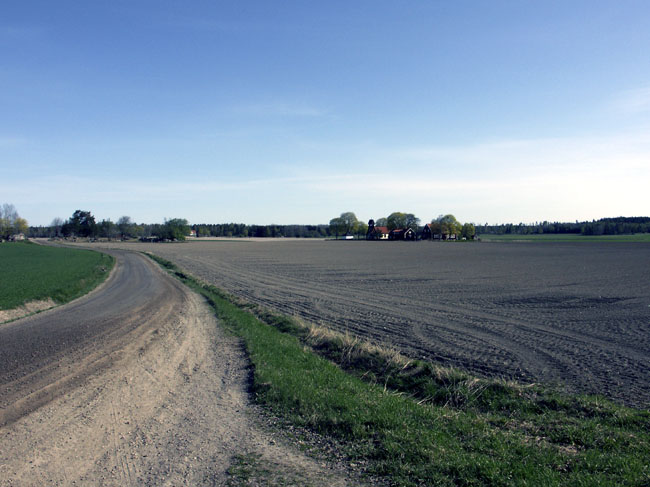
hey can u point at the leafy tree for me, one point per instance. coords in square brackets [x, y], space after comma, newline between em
[174, 229]
[468, 230]
[381, 222]
[10, 222]
[402, 220]
[361, 229]
[412, 222]
[107, 229]
[81, 223]
[345, 224]
[450, 225]
[336, 226]
[20, 225]
[396, 220]
[436, 227]
[125, 226]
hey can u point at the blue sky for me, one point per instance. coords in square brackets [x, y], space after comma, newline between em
[293, 112]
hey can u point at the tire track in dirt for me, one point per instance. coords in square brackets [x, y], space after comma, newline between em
[575, 315]
[497, 345]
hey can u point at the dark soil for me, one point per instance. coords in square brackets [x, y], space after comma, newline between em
[574, 315]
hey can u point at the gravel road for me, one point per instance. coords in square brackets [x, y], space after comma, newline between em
[134, 384]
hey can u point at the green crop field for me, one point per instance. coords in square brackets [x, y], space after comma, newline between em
[34, 272]
[565, 237]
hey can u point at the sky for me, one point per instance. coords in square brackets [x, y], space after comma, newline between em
[292, 112]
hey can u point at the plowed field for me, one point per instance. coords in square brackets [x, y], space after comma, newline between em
[572, 314]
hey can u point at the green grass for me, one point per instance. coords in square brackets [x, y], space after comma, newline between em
[35, 272]
[552, 237]
[418, 424]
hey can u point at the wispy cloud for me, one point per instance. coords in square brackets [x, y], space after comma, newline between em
[633, 101]
[516, 180]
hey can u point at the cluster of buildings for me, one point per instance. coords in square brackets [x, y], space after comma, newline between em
[383, 233]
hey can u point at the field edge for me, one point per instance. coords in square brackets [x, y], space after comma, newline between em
[565, 437]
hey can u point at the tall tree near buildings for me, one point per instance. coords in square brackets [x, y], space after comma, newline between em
[396, 220]
[345, 224]
[450, 225]
[412, 222]
[468, 230]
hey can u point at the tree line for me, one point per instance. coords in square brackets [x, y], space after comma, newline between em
[82, 224]
[604, 226]
[243, 230]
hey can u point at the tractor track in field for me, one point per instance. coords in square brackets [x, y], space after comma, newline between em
[571, 314]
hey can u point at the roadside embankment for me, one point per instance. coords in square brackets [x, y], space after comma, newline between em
[416, 424]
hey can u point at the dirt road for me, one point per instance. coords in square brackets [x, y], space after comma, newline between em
[134, 384]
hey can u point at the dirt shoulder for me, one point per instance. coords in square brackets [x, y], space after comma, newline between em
[26, 309]
[172, 408]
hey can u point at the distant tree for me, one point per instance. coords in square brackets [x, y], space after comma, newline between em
[349, 221]
[436, 227]
[174, 229]
[81, 223]
[345, 224]
[10, 222]
[412, 222]
[381, 222]
[125, 226]
[20, 225]
[468, 230]
[361, 229]
[107, 229]
[336, 226]
[56, 226]
[402, 220]
[395, 220]
[450, 225]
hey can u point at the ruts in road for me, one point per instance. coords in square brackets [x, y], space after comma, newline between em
[133, 384]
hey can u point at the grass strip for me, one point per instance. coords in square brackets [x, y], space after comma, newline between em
[566, 237]
[426, 427]
[35, 272]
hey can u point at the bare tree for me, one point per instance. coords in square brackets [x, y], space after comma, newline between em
[56, 226]
[125, 225]
[8, 218]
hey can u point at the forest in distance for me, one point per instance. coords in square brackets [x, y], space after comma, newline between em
[83, 224]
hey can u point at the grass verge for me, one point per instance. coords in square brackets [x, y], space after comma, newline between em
[567, 237]
[33, 272]
[418, 424]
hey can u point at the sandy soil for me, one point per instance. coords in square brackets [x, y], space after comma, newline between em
[26, 309]
[170, 406]
[573, 314]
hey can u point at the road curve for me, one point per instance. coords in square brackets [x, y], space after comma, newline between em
[44, 355]
[134, 385]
